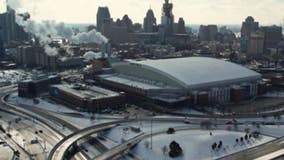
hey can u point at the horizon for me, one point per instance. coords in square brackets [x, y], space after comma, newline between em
[212, 13]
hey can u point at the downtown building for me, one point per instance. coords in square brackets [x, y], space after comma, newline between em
[249, 26]
[123, 30]
[207, 33]
[9, 30]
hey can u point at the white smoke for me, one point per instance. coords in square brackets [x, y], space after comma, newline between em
[89, 37]
[51, 51]
[47, 30]
[90, 55]
[15, 4]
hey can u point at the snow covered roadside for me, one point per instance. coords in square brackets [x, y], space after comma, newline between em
[196, 144]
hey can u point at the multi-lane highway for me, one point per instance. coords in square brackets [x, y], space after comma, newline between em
[259, 151]
[66, 142]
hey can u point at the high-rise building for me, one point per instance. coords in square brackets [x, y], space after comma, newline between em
[181, 26]
[256, 44]
[127, 22]
[8, 24]
[207, 33]
[11, 31]
[272, 36]
[167, 18]
[150, 23]
[103, 15]
[249, 26]
[2, 50]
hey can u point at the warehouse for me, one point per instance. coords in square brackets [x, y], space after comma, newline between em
[86, 98]
[200, 79]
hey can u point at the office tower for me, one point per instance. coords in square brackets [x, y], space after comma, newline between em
[103, 15]
[167, 18]
[256, 44]
[127, 22]
[8, 24]
[207, 33]
[272, 36]
[2, 50]
[181, 26]
[213, 30]
[11, 31]
[249, 26]
[149, 22]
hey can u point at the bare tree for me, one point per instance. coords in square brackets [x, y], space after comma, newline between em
[165, 150]
[147, 144]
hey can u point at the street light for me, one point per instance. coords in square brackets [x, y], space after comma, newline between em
[151, 133]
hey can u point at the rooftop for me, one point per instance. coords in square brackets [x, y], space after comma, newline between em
[90, 92]
[194, 71]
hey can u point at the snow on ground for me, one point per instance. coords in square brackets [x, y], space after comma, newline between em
[13, 76]
[42, 104]
[188, 110]
[83, 122]
[266, 119]
[124, 131]
[271, 130]
[5, 152]
[273, 94]
[54, 107]
[196, 144]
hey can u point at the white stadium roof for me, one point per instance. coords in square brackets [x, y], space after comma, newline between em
[196, 72]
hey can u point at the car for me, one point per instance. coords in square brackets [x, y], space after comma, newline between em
[187, 121]
[229, 123]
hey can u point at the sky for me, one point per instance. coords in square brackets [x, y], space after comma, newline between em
[267, 12]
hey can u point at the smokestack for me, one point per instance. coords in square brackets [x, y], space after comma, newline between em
[106, 50]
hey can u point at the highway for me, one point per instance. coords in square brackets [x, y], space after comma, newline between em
[37, 116]
[121, 148]
[23, 153]
[57, 153]
[258, 151]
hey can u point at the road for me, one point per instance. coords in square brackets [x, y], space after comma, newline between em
[121, 148]
[258, 151]
[37, 117]
[59, 150]
[23, 153]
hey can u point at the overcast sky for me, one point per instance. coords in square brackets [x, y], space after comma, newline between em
[193, 11]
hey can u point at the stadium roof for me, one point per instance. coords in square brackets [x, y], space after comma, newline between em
[198, 72]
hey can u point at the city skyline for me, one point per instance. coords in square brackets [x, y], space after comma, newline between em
[217, 12]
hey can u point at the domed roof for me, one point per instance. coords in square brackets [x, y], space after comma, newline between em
[150, 13]
[249, 19]
[194, 72]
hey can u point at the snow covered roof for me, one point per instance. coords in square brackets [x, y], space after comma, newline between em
[195, 72]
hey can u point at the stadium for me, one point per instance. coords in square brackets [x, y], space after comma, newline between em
[199, 80]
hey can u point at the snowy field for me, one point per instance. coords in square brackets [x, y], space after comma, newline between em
[13, 76]
[5, 152]
[196, 144]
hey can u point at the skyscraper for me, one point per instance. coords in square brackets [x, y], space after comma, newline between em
[256, 44]
[181, 26]
[207, 33]
[168, 18]
[248, 27]
[8, 24]
[272, 36]
[103, 15]
[11, 31]
[2, 50]
[149, 21]
[127, 22]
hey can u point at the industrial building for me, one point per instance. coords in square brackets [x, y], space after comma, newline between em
[198, 80]
[86, 98]
[32, 88]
